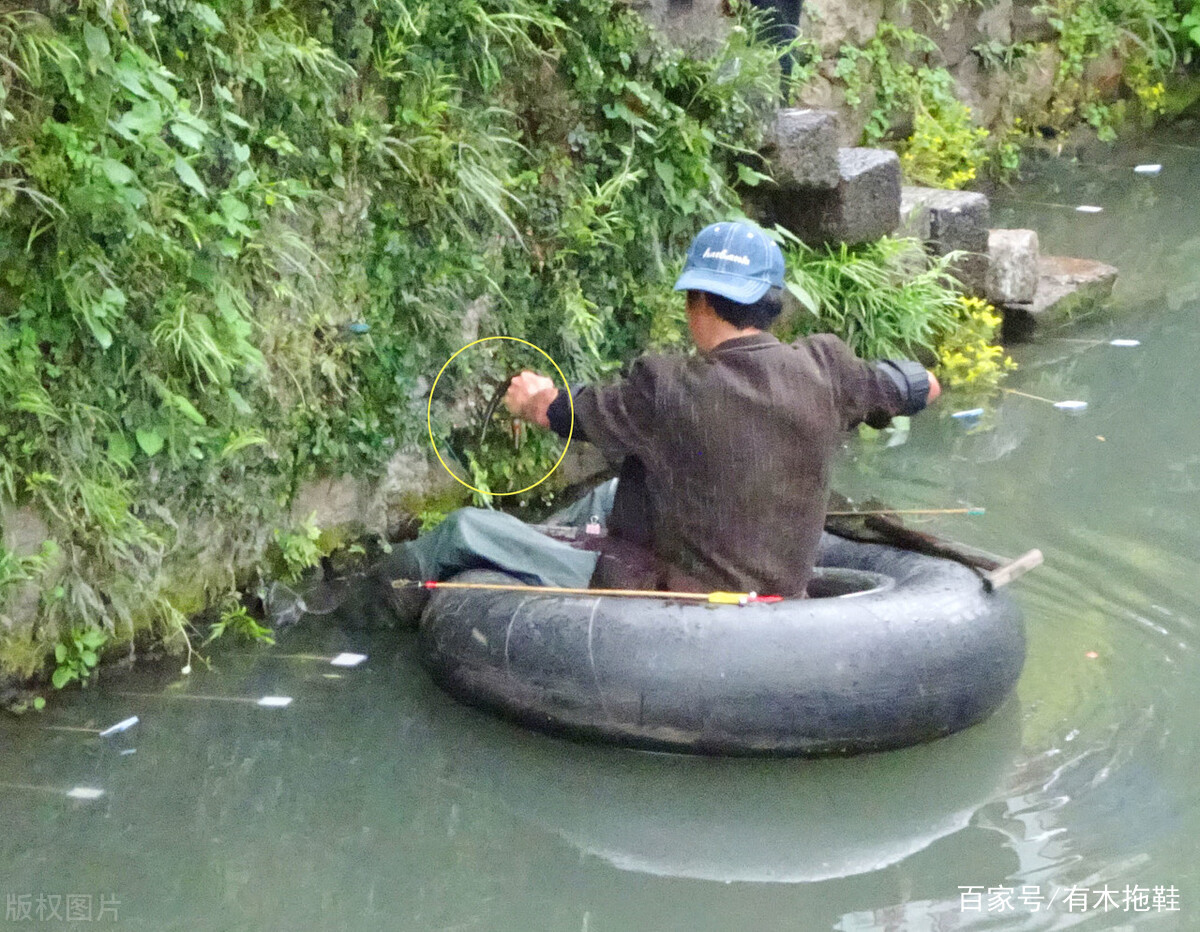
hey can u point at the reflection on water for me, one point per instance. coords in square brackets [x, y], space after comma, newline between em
[372, 801]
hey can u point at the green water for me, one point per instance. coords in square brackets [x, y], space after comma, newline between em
[374, 802]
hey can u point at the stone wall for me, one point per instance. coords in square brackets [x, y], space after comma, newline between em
[994, 94]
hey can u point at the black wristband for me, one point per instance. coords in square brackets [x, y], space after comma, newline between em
[911, 378]
[559, 416]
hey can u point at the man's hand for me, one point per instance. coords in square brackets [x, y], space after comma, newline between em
[935, 389]
[528, 397]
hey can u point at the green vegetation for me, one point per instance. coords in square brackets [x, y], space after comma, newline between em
[76, 656]
[237, 237]
[943, 147]
[236, 621]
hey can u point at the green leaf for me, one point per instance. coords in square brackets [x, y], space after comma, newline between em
[144, 118]
[162, 84]
[97, 45]
[62, 676]
[60, 652]
[665, 171]
[749, 177]
[240, 442]
[806, 300]
[39, 703]
[239, 403]
[233, 208]
[188, 135]
[117, 172]
[93, 638]
[188, 176]
[188, 410]
[129, 76]
[102, 334]
[89, 658]
[119, 449]
[208, 16]
[150, 441]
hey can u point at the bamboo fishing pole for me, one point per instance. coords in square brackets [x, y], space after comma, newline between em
[717, 598]
[1069, 406]
[907, 511]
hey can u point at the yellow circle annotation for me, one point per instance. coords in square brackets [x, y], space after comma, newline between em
[429, 417]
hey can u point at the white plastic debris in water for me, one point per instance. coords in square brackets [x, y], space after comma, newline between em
[1071, 407]
[969, 414]
[84, 792]
[1124, 342]
[348, 660]
[1147, 169]
[123, 725]
[275, 702]
[1089, 209]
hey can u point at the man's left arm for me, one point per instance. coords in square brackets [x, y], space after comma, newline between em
[873, 393]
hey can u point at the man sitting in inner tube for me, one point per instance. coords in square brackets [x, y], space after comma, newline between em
[725, 454]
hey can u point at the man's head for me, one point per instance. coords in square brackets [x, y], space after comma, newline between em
[739, 270]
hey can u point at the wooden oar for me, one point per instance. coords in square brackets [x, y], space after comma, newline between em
[717, 598]
[878, 526]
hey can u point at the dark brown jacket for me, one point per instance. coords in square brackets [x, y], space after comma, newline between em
[736, 446]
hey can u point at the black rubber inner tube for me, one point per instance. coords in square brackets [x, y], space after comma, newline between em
[922, 651]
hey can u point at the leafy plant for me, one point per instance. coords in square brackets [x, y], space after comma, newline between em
[236, 621]
[886, 299]
[77, 655]
[298, 549]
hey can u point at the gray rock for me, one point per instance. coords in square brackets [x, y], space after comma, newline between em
[700, 24]
[23, 531]
[583, 463]
[834, 23]
[864, 206]
[948, 221]
[1029, 23]
[995, 22]
[803, 149]
[1012, 266]
[1067, 289]
[330, 502]
[474, 314]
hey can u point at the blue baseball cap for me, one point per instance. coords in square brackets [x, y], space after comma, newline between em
[734, 259]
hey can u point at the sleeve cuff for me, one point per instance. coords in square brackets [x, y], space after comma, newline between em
[911, 378]
[559, 415]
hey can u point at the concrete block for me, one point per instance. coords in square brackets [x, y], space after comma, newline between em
[951, 220]
[1067, 289]
[864, 206]
[803, 149]
[1012, 266]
